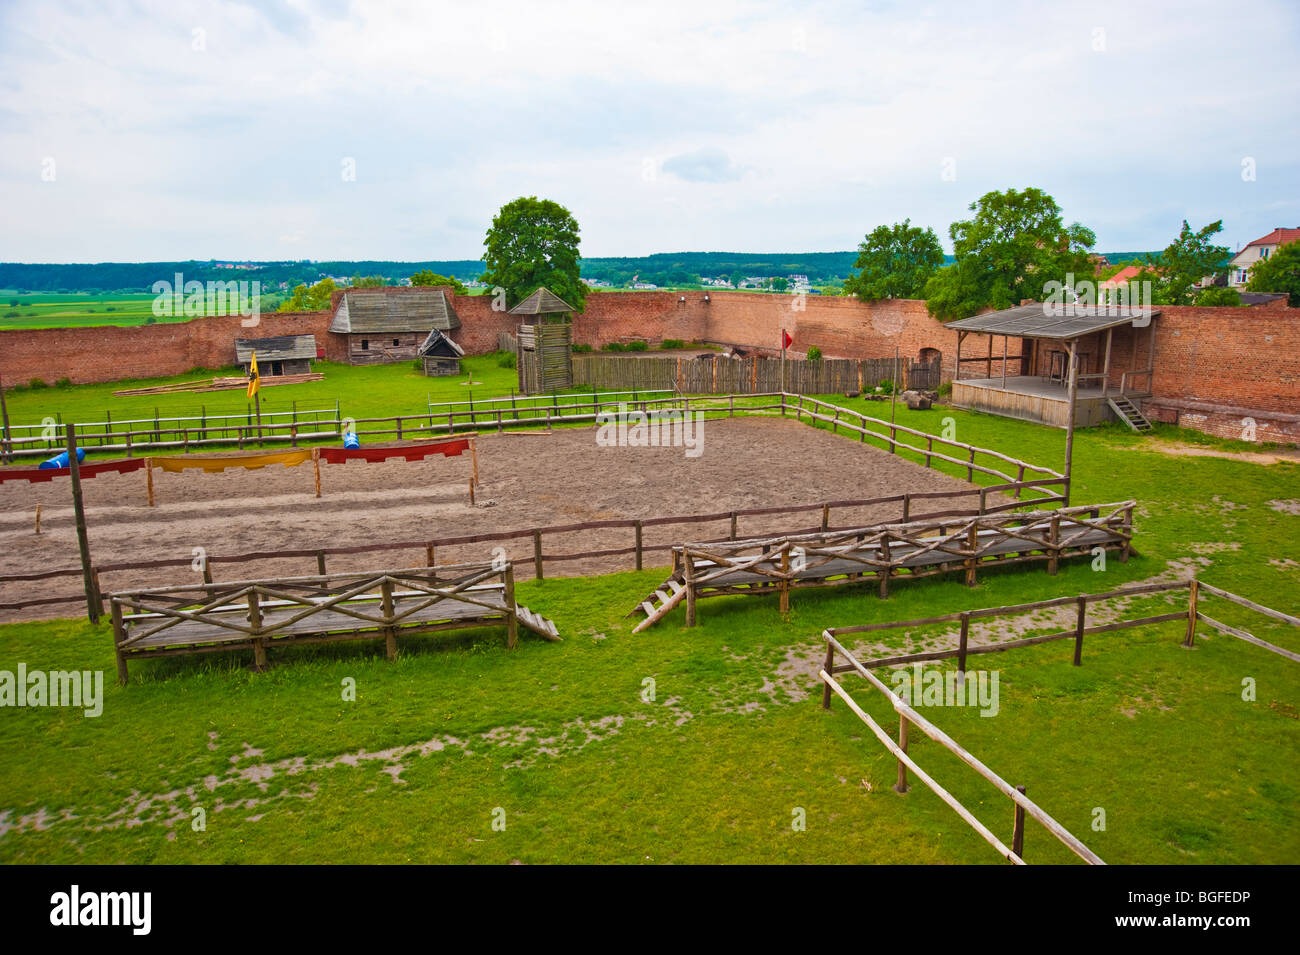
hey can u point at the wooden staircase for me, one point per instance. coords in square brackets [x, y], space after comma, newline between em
[660, 603]
[537, 623]
[1129, 414]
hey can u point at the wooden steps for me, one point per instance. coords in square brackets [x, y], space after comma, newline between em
[654, 612]
[537, 623]
[1129, 413]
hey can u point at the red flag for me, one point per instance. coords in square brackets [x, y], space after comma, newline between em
[786, 340]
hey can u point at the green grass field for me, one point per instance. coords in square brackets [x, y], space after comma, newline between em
[83, 309]
[586, 768]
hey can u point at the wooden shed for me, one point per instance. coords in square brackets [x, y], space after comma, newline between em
[383, 326]
[281, 355]
[439, 355]
[544, 350]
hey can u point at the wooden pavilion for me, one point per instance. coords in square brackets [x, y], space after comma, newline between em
[1067, 372]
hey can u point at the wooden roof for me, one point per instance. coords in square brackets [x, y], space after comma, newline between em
[541, 302]
[279, 348]
[1055, 322]
[380, 311]
[439, 344]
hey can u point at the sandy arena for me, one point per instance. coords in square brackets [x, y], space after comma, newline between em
[526, 481]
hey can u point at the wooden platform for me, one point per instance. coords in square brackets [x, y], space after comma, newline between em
[260, 614]
[1032, 398]
[884, 553]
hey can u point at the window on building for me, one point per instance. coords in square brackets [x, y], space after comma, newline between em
[397, 341]
[365, 344]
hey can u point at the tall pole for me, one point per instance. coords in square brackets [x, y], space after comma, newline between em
[783, 361]
[78, 508]
[5, 444]
[893, 392]
[257, 404]
[1069, 422]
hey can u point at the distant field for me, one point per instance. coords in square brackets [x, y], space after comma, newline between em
[84, 309]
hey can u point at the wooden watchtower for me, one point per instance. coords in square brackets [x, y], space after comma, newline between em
[544, 349]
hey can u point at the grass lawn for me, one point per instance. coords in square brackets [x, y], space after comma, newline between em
[78, 309]
[566, 741]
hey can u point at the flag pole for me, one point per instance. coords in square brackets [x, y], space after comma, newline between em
[783, 361]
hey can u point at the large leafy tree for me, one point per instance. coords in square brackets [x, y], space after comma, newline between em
[1188, 259]
[312, 299]
[1015, 243]
[430, 277]
[895, 262]
[1280, 272]
[534, 242]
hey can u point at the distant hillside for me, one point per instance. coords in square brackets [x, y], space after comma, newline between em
[662, 268]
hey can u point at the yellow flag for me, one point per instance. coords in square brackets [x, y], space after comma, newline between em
[253, 380]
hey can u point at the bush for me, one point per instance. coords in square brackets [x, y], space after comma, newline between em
[945, 389]
[151, 320]
[814, 353]
[14, 302]
[1219, 296]
[506, 360]
[11, 314]
[886, 387]
[63, 383]
[668, 343]
[582, 348]
[638, 346]
[615, 346]
[36, 384]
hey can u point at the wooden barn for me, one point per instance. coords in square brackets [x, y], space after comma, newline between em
[383, 326]
[544, 350]
[439, 355]
[281, 355]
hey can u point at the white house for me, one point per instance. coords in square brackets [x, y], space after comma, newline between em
[1239, 268]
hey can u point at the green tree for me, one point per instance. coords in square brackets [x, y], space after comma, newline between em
[1007, 252]
[895, 262]
[737, 278]
[534, 242]
[430, 277]
[312, 299]
[779, 284]
[1280, 272]
[1188, 259]
[1218, 295]
[367, 281]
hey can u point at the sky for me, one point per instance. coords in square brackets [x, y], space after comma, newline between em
[326, 129]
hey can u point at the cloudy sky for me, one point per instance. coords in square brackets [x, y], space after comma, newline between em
[328, 129]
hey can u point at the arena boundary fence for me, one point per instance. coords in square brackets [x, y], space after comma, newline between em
[908, 716]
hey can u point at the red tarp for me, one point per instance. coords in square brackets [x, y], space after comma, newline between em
[121, 466]
[414, 452]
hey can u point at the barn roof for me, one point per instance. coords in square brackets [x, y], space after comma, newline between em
[384, 310]
[439, 344]
[1056, 322]
[541, 302]
[280, 348]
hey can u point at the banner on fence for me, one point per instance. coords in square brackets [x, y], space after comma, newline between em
[249, 461]
[87, 470]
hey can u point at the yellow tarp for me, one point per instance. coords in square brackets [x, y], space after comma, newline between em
[248, 461]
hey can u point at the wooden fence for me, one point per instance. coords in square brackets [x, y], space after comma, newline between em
[720, 375]
[909, 717]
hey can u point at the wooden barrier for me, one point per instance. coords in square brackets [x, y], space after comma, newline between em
[883, 553]
[259, 614]
[908, 715]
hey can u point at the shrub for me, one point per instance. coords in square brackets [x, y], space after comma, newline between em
[151, 320]
[668, 343]
[582, 348]
[886, 387]
[111, 308]
[36, 384]
[945, 389]
[615, 346]
[506, 360]
[638, 346]
[14, 302]
[63, 383]
[814, 353]
[11, 314]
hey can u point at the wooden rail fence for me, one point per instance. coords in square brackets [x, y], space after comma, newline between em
[909, 717]
[721, 375]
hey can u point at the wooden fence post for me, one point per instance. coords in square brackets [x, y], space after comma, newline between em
[901, 785]
[512, 614]
[1193, 595]
[320, 562]
[1018, 827]
[907, 508]
[390, 634]
[826, 517]
[79, 512]
[830, 672]
[733, 525]
[965, 640]
[785, 579]
[537, 554]
[638, 545]
[688, 567]
[118, 637]
[1053, 545]
[1079, 623]
[255, 618]
[972, 542]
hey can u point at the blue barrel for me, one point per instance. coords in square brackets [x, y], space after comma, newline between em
[349, 441]
[60, 460]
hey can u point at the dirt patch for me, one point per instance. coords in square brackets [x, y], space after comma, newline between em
[1285, 507]
[1193, 451]
[535, 480]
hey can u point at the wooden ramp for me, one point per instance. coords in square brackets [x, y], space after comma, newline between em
[260, 614]
[883, 553]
